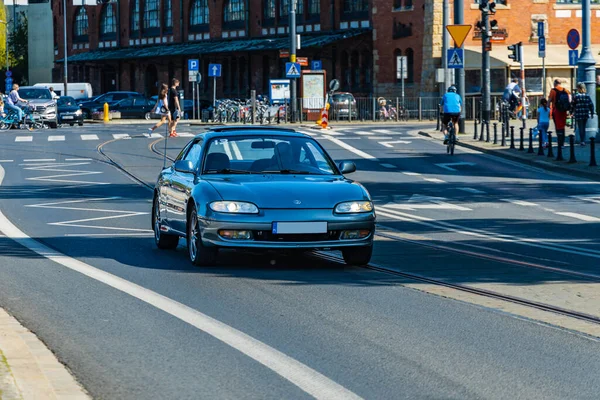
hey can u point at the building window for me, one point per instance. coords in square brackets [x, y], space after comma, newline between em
[355, 9]
[134, 24]
[284, 10]
[403, 5]
[314, 10]
[235, 13]
[367, 69]
[533, 79]
[269, 11]
[108, 26]
[399, 59]
[199, 16]
[151, 20]
[167, 16]
[80, 28]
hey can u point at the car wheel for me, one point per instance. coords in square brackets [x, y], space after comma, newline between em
[71, 124]
[80, 123]
[198, 253]
[162, 240]
[148, 116]
[53, 125]
[358, 255]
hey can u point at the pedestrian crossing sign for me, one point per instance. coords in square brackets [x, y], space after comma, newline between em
[292, 70]
[456, 58]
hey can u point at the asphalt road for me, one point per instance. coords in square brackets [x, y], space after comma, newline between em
[351, 330]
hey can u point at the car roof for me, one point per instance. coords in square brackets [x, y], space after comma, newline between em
[220, 131]
[34, 87]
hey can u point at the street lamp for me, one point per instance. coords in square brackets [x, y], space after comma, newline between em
[66, 50]
[6, 24]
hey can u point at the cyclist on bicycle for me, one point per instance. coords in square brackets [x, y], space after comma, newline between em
[452, 107]
[12, 102]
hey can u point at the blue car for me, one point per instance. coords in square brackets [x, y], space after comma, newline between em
[261, 188]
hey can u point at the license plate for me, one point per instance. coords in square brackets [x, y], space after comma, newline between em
[67, 117]
[281, 228]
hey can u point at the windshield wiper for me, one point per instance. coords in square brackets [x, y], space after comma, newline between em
[227, 171]
[287, 171]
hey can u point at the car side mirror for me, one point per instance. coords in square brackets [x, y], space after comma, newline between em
[347, 167]
[184, 166]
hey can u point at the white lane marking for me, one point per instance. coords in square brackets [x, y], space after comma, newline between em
[580, 217]
[236, 151]
[185, 134]
[411, 173]
[551, 244]
[471, 190]
[121, 136]
[521, 203]
[390, 144]
[155, 135]
[38, 159]
[7, 161]
[594, 198]
[448, 166]
[350, 138]
[380, 138]
[55, 167]
[384, 131]
[24, 139]
[57, 138]
[304, 377]
[332, 133]
[346, 146]
[388, 165]
[434, 180]
[78, 159]
[419, 202]
[89, 137]
[363, 133]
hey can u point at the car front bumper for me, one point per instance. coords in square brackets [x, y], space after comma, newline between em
[263, 237]
[70, 118]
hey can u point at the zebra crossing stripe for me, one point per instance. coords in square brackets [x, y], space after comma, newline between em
[24, 139]
[121, 136]
[89, 137]
[58, 138]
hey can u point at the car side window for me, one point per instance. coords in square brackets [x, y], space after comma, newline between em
[108, 97]
[127, 103]
[194, 152]
[119, 96]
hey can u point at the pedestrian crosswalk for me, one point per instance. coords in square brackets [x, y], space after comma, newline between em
[92, 137]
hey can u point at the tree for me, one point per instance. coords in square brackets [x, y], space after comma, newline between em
[19, 50]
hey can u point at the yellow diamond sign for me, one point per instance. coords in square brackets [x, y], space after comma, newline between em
[459, 33]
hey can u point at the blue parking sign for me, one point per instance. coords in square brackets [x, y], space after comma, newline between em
[193, 65]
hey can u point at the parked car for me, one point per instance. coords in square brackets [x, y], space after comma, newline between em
[40, 99]
[97, 104]
[68, 111]
[279, 190]
[340, 105]
[134, 107]
[77, 90]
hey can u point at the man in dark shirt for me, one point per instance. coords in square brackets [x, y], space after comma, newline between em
[174, 106]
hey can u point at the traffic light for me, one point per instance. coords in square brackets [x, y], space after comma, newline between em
[494, 25]
[515, 56]
[492, 8]
[487, 7]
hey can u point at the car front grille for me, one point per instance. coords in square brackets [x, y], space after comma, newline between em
[40, 108]
[268, 236]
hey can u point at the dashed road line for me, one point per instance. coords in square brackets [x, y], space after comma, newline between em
[391, 144]
[121, 136]
[38, 159]
[521, 203]
[89, 137]
[24, 139]
[380, 138]
[57, 138]
[434, 180]
[6, 161]
[411, 173]
[78, 159]
[581, 217]
[363, 133]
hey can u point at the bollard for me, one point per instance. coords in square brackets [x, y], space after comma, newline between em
[105, 113]
[495, 133]
[503, 138]
[244, 116]
[475, 130]
[593, 152]
[572, 159]
[487, 131]
[559, 155]
[550, 152]
[540, 145]
[530, 148]
[521, 146]
[512, 137]
[278, 117]
[482, 131]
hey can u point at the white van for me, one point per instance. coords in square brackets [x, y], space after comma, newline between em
[77, 90]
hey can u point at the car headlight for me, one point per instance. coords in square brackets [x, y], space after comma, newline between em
[234, 207]
[78, 112]
[354, 207]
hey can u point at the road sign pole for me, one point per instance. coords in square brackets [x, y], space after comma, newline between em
[445, 40]
[485, 63]
[587, 65]
[522, 67]
[292, 25]
[66, 49]
[194, 100]
[459, 19]
[544, 76]
[214, 95]
[402, 66]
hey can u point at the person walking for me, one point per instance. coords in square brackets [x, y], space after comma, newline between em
[543, 119]
[583, 109]
[12, 100]
[560, 104]
[174, 107]
[161, 108]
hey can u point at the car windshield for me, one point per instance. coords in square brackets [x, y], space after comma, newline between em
[342, 98]
[66, 101]
[30, 93]
[267, 155]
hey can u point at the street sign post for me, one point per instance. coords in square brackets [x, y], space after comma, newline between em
[573, 57]
[193, 65]
[456, 58]
[316, 65]
[214, 70]
[541, 28]
[542, 47]
[573, 39]
[459, 33]
[8, 74]
[292, 70]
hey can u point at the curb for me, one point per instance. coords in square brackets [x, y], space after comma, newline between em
[595, 176]
[28, 370]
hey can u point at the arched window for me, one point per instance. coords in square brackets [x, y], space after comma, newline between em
[151, 20]
[410, 62]
[199, 16]
[167, 16]
[80, 28]
[269, 11]
[235, 13]
[355, 9]
[314, 10]
[108, 26]
[284, 10]
[134, 23]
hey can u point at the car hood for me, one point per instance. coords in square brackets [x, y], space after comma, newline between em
[285, 191]
[63, 109]
[41, 102]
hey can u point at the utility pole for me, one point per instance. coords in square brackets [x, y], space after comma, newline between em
[66, 50]
[293, 58]
[459, 19]
[445, 41]
[486, 8]
[586, 66]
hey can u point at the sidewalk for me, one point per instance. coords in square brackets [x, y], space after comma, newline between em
[28, 370]
[582, 153]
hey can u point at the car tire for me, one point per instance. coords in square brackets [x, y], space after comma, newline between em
[71, 124]
[358, 255]
[148, 116]
[53, 125]
[199, 254]
[80, 123]
[162, 240]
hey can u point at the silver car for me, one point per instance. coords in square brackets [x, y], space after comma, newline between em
[44, 108]
[261, 188]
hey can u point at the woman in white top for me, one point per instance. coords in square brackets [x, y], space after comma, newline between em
[543, 119]
[162, 108]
